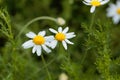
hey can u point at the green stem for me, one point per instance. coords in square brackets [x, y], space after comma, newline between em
[92, 21]
[85, 55]
[68, 55]
[29, 78]
[90, 28]
[9, 26]
[36, 19]
[44, 62]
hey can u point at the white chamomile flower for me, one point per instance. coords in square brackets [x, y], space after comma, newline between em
[95, 3]
[38, 42]
[62, 36]
[114, 12]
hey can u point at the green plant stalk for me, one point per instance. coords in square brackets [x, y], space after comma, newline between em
[103, 61]
[34, 20]
[85, 55]
[60, 51]
[14, 63]
[90, 28]
[9, 34]
[42, 68]
[100, 46]
[92, 21]
[44, 62]
[9, 26]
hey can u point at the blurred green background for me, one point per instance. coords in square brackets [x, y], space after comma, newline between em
[20, 64]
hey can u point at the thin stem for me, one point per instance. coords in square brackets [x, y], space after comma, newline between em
[36, 19]
[44, 62]
[85, 55]
[91, 27]
[92, 21]
[29, 78]
[68, 55]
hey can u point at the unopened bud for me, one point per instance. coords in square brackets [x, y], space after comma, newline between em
[60, 21]
[63, 76]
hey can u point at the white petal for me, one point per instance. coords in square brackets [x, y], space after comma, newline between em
[28, 44]
[60, 29]
[34, 49]
[65, 30]
[70, 36]
[53, 44]
[104, 2]
[70, 33]
[92, 9]
[64, 45]
[111, 11]
[49, 38]
[52, 30]
[99, 0]
[112, 6]
[46, 49]
[47, 44]
[69, 42]
[30, 35]
[86, 3]
[42, 33]
[118, 3]
[38, 50]
[116, 19]
[111, 14]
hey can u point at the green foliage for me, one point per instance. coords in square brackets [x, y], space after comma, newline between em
[95, 54]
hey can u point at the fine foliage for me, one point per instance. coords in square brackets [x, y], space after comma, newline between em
[66, 40]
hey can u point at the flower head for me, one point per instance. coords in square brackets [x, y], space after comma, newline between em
[62, 36]
[60, 21]
[114, 11]
[38, 42]
[95, 3]
[63, 76]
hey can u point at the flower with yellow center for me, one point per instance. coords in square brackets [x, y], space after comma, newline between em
[114, 11]
[61, 36]
[118, 11]
[38, 42]
[95, 3]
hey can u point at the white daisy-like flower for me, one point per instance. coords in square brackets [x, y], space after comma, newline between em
[114, 11]
[38, 42]
[95, 3]
[62, 36]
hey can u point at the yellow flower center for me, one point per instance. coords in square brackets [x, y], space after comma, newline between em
[95, 3]
[118, 10]
[38, 40]
[60, 36]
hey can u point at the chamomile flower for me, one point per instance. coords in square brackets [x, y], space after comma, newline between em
[38, 42]
[95, 3]
[114, 11]
[62, 36]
